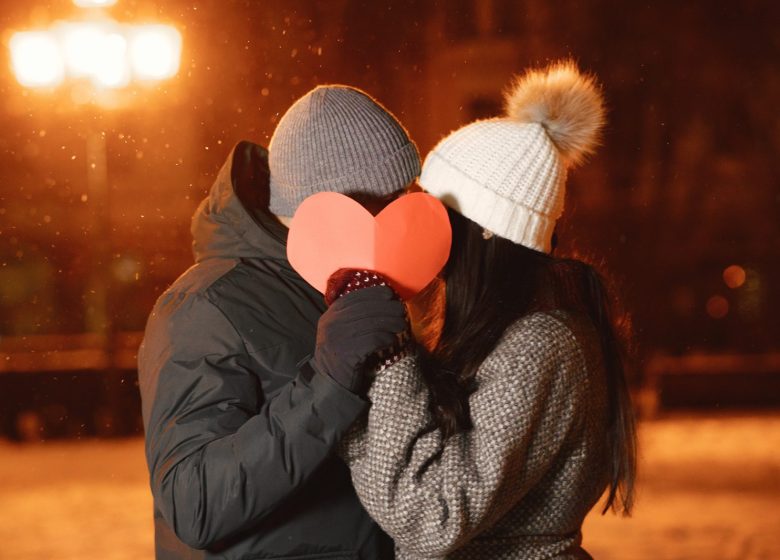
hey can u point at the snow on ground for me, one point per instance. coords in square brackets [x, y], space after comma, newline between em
[709, 489]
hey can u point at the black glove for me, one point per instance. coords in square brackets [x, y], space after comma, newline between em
[353, 330]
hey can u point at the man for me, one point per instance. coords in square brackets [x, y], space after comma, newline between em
[241, 422]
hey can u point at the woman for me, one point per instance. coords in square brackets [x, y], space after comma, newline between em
[498, 441]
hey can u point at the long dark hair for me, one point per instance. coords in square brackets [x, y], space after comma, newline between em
[490, 283]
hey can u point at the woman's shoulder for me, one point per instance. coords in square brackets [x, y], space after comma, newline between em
[539, 359]
[549, 337]
[556, 328]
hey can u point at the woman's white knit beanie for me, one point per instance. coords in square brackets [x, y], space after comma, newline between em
[509, 174]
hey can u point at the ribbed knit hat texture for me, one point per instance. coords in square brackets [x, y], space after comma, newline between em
[337, 138]
[509, 174]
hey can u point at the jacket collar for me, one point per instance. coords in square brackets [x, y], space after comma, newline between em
[233, 220]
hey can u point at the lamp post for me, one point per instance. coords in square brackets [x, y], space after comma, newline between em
[96, 59]
[96, 56]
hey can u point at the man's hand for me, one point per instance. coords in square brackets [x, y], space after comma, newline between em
[353, 330]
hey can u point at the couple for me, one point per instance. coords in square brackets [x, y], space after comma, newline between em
[267, 437]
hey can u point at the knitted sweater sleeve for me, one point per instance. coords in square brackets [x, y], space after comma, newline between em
[433, 496]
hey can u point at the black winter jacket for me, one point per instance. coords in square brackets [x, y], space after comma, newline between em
[240, 439]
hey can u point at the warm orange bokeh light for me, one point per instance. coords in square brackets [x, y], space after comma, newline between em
[97, 51]
[734, 276]
[155, 51]
[717, 307]
[104, 52]
[36, 59]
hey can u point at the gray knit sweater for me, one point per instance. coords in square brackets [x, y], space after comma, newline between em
[519, 483]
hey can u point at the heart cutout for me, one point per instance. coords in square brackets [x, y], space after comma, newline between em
[408, 241]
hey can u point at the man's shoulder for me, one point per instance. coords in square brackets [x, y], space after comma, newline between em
[268, 304]
[262, 302]
[201, 276]
[187, 299]
[215, 278]
[208, 282]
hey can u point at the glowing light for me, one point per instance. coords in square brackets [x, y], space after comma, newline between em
[36, 59]
[81, 43]
[104, 52]
[155, 51]
[734, 276]
[717, 307]
[94, 3]
[112, 69]
[97, 51]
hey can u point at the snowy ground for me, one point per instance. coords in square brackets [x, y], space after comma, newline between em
[710, 489]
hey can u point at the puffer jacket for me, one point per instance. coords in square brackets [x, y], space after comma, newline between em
[239, 438]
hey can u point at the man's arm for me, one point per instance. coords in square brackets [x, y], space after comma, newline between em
[220, 456]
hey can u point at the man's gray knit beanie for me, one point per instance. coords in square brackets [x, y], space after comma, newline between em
[337, 138]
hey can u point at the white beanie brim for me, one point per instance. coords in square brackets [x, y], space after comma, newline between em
[501, 216]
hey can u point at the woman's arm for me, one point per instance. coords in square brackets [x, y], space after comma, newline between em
[433, 496]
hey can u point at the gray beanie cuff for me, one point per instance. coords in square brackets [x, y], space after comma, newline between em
[338, 138]
[385, 178]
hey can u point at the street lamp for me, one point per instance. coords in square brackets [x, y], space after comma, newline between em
[107, 53]
[99, 55]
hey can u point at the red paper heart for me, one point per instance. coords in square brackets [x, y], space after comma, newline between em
[408, 242]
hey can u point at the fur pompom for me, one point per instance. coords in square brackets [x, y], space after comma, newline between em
[567, 103]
